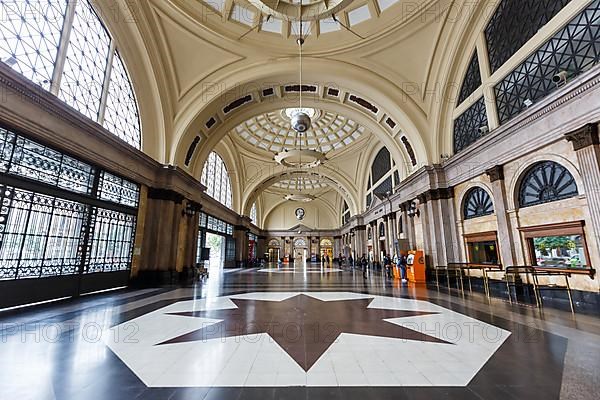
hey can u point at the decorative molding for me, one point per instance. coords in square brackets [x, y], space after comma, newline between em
[496, 173]
[584, 137]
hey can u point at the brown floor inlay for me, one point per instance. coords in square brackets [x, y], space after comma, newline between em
[303, 326]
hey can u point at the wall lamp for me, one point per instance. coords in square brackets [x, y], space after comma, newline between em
[413, 211]
[190, 210]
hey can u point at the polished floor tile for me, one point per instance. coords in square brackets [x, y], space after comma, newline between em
[249, 334]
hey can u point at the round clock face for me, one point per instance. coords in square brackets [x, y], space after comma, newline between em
[300, 213]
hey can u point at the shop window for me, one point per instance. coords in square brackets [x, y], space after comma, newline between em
[559, 245]
[482, 248]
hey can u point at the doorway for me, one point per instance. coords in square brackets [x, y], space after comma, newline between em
[216, 244]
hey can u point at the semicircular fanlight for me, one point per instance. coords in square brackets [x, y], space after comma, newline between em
[478, 203]
[545, 182]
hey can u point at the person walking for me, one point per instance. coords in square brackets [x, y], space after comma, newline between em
[364, 263]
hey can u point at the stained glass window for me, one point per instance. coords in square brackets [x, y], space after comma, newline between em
[216, 179]
[478, 203]
[545, 182]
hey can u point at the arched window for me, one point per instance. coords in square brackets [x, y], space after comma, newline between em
[544, 182]
[68, 51]
[478, 203]
[383, 176]
[369, 234]
[381, 230]
[300, 243]
[273, 243]
[326, 243]
[216, 179]
[253, 214]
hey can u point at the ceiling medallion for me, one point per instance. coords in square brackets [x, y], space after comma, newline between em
[312, 10]
[300, 213]
[300, 197]
[300, 158]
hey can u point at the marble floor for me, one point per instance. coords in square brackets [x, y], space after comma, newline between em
[303, 333]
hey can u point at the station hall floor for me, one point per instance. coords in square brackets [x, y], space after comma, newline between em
[308, 333]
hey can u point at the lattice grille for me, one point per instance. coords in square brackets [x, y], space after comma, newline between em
[86, 62]
[466, 127]
[29, 36]
[514, 23]
[574, 49]
[472, 79]
[121, 115]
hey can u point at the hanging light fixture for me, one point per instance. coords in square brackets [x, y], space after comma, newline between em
[301, 122]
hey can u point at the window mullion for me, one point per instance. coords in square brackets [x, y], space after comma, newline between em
[63, 45]
[105, 87]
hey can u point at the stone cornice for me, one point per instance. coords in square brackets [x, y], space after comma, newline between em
[584, 137]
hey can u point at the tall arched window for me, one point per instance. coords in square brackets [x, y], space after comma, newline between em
[64, 47]
[383, 176]
[544, 182]
[253, 214]
[216, 179]
[381, 230]
[478, 203]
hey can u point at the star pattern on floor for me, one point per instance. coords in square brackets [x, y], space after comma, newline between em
[304, 327]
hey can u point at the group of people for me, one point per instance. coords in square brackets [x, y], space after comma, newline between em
[399, 261]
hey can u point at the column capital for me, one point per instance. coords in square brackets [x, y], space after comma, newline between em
[584, 137]
[496, 173]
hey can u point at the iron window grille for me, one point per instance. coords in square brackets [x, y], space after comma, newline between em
[515, 22]
[545, 182]
[574, 50]
[55, 219]
[478, 203]
[467, 125]
[472, 79]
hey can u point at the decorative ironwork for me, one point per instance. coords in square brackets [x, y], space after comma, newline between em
[477, 203]
[121, 115]
[30, 35]
[40, 235]
[86, 62]
[30, 40]
[43, 234]
[514, 23]
[216, 179]
[384, 188]
[23, 157]
[112, 241]
[467, 126]
[118, 190]
[208, 222]
[545, 182]
[574, 49]
[472, 79]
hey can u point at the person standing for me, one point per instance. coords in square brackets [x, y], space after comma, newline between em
[340, 260]
[402, 262]
[364, 263]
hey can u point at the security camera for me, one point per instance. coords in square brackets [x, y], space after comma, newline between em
[483, 130]
[560, 78]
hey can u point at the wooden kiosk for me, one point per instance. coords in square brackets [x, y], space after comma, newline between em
[415, 269]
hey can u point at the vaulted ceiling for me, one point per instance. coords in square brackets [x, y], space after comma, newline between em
[220, 74]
